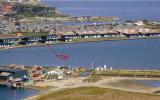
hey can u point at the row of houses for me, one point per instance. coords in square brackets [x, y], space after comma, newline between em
[109, 35]
[8, 42]
[141, 35]
[52, 38]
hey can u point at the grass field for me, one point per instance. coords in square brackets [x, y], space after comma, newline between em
[95, 93]
[142, 73]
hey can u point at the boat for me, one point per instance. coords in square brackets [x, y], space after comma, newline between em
[13, 86]
[14, 83]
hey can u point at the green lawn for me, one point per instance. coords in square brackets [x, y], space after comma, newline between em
[95, 93]
[154, 73]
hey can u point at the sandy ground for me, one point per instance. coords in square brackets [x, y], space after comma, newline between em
[120, 83]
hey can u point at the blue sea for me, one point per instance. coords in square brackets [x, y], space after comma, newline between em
[124, 9]
[130, 54]
[7, 93]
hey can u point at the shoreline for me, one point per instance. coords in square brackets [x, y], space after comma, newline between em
[107, 83]
[82, 41]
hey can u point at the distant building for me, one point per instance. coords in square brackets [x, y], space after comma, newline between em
[139, 23]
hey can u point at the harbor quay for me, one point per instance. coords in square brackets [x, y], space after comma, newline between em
[20, 76]
[50, 79]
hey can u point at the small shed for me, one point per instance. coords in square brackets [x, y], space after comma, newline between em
[15, 73]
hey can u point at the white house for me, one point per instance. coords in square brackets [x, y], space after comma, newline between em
[54, 73]
[139, 23]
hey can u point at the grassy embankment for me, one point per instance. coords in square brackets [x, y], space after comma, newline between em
[95, 93]
[42, 88]
[67, 18]
[103, 18]
[152, 26]
[132, 73]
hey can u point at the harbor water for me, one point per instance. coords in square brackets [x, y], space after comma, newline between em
[152, 83]
[128, 54]
[7, 93]
[124, 9]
